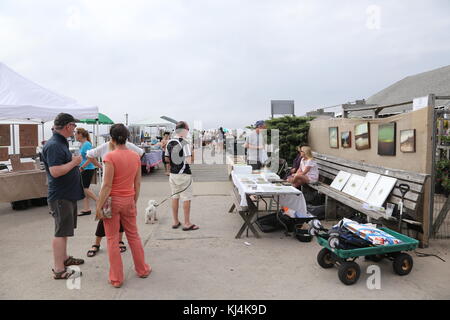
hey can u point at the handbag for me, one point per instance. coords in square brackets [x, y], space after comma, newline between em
[106, 209]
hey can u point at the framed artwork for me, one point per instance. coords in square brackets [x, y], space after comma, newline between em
[340, 180]
[386, 139]
[381, 191]
[408, 140]
[28, 152]
[4, 154]
[362, 136]
[5, 135]
[333, 137]
[353, 184]
[28, 135]
[346, 139]
[367, 186]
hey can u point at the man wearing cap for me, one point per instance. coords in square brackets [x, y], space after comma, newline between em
[64, 190]
[256, 153]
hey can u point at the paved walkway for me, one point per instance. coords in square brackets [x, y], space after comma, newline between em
[205, 264]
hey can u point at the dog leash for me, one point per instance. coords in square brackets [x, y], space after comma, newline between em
[158, 204]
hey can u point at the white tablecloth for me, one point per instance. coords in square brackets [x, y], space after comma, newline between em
[289, 196]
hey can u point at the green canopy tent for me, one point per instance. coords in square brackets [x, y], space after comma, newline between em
[102, 119]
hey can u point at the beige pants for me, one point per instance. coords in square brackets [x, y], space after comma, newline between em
[179, 182]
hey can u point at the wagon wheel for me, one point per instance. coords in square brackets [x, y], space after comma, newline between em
[349, 272]
[325, 258]
[403, 264]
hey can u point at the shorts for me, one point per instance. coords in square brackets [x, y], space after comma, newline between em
[179, 182]
[65, 214]
[100, 232]
[86, 177]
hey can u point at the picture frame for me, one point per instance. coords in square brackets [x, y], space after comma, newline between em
[387, 142]
[353, 185]
[333, 136]
[346, 139]
[340, 180]
[381, 191]
[362, 136]
[408, 140]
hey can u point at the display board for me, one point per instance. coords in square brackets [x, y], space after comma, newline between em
[340, 180]
[4, 154]
[27, 152]
[353, 184]
[368, 184]
[381, 191]
[5, 135]
[28, 135]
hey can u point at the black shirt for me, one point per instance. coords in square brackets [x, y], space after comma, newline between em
[67, 187]
[177, 151]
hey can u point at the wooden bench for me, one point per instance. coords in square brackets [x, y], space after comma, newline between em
[329, 166]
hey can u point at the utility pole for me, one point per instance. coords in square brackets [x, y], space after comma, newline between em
[126, 119]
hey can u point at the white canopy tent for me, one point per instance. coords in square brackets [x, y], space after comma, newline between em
[23, 101]
[155, 122]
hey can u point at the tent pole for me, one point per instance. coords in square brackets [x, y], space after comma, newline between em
[43, 134]
[14, 139]
[96, 136]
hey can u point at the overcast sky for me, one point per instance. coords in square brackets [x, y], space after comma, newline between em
[220, 61]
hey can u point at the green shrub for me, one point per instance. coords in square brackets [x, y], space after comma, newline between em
[293, 131]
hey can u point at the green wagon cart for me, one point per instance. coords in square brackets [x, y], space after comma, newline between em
[349, 271]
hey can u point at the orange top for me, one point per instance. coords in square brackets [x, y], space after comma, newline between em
[126, 163]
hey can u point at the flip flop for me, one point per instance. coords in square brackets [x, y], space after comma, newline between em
[84, 213]
[176, 226]
[193, 227]
[92, 253]
[122, 247]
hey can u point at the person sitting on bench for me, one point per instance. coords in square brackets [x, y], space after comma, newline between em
[308, 171]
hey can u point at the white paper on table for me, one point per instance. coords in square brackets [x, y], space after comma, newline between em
[340, 180]
[367, 186]
[353, 184]
[381, 191]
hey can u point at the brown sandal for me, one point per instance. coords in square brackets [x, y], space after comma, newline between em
[59, 275]
[71, 261]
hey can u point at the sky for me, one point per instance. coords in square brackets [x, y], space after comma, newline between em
[220, 62]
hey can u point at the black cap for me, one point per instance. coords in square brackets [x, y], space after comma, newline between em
[63, 119]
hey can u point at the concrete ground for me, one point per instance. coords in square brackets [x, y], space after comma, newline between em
[205, 264]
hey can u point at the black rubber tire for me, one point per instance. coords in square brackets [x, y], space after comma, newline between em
[325, 258]
[403, 264]
[349, 272]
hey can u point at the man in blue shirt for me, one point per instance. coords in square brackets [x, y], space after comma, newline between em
[64, 190]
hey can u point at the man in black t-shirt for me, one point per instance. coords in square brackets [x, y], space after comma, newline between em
[179, 157]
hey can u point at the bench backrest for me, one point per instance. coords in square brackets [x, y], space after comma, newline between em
[329, 166]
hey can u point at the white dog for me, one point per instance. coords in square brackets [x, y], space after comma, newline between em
[150, 212]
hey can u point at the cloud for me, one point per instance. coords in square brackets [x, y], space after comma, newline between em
[219, 61]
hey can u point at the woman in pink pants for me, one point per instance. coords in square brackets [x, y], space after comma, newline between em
[122, 182]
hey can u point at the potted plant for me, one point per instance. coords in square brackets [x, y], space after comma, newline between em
[445, 140]
[446, 186]
[442, 180]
